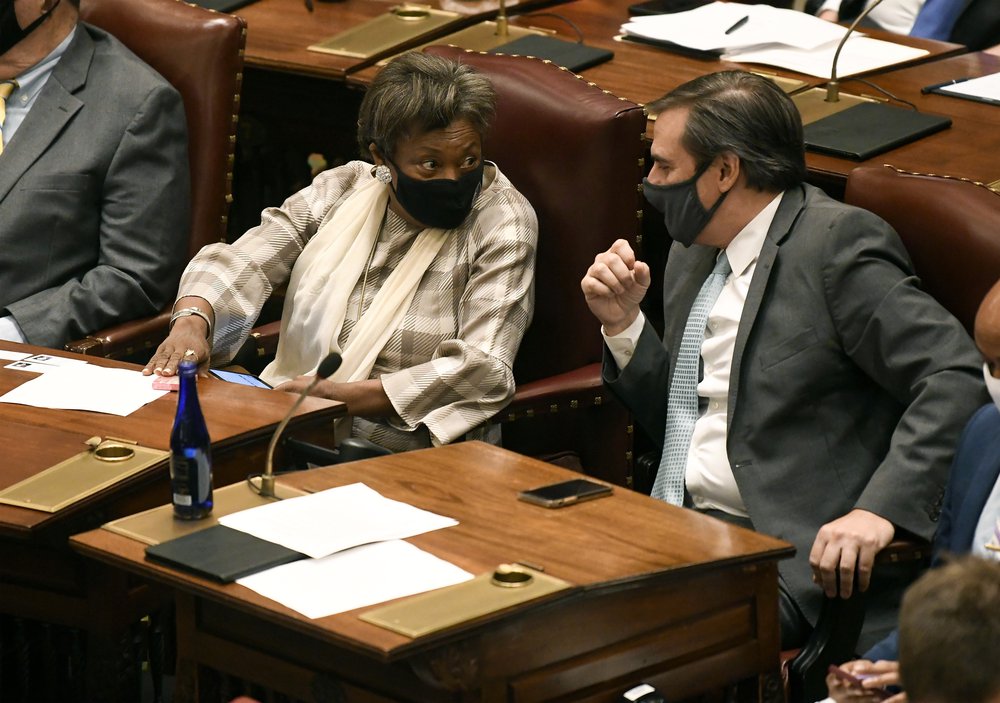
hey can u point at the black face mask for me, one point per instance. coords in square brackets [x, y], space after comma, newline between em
[439, 202]
[683, 214]
[10, 31]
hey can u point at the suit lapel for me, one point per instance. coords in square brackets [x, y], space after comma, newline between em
[53, 109]
[784, 219]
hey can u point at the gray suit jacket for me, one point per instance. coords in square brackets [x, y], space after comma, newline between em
[849, 385]
[94, 195]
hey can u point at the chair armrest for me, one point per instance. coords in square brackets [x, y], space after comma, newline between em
[579, 388]
[125, 339]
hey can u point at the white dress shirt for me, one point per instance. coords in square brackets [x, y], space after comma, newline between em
[892, 15]
[709, 477]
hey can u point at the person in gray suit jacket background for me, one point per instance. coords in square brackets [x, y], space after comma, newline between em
[94, 180]
[832, 391]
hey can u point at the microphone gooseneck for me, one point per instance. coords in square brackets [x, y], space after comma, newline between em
[326, 368]
[833, 87]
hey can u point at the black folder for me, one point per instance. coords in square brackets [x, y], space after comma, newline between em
[571, 55]
[221, 553]
[862, 131]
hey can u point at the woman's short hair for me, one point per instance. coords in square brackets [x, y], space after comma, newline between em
[747, 115]
[417, 93]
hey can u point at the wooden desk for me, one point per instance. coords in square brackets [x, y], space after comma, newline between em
[40, 578]
[968, 149]
[658, 594]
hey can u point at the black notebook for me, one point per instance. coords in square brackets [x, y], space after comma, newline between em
[862, 131]
[221, 553]
[570, 55]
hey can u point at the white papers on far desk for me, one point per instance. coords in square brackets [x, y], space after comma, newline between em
[336, 519]
[983, 88]
[771, 36]
[86, 387]
[366, 575]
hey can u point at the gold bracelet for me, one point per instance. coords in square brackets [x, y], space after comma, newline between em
[187, 312]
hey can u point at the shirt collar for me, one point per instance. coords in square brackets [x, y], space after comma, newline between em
[31, 81]
[746, 246]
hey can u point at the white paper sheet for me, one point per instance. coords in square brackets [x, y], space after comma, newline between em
[336, 519]
[859, 55]
[984, 87]
[366, 575]
[12, 356]
[86, 387]
[704, 28]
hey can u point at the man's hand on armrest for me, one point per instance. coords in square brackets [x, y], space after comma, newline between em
[848, 545]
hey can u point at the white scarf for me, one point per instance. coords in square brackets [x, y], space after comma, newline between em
[321, 283]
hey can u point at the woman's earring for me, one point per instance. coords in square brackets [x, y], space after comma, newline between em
[383, 174]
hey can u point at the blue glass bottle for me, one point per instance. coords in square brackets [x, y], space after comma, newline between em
[190, 451]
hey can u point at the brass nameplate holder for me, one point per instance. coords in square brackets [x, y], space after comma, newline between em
[401, 24]
[105, 463]
[813, 106]
[159, 524]
[425, 613]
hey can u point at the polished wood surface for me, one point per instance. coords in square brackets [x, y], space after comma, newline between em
[667, 595]
[279, 32]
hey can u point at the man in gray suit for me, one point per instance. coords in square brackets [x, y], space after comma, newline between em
[832, 390]
[94, 182]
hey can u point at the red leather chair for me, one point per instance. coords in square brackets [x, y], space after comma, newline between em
[200, 52]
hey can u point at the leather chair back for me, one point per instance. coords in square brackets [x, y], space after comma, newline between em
[575, 152]
[200, 53]
[950, 227]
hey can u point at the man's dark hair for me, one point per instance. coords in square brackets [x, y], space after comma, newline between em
[747, 115]
[949, 634]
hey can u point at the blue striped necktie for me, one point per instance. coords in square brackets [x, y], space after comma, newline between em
[937, 18]
[682, 404]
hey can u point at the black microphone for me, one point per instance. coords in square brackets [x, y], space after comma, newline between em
[326, 368]
[833, 87]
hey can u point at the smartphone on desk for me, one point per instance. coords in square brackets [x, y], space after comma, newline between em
[245, 379]
[556, 495]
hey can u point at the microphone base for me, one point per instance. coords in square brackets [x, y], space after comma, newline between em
[813, 106]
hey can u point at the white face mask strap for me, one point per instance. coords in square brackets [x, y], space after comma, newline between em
[992, 385]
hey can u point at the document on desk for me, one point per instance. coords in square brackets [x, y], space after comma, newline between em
[771, 36]
[358, 577]
[984, 88]
[330, 521]
[86, 387]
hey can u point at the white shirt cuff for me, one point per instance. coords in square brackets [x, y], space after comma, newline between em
[10, 330]
[623, 344]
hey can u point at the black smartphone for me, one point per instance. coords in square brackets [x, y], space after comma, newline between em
[556, 495]
[245, 379]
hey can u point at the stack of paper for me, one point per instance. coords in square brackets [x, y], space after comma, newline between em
[768, 35]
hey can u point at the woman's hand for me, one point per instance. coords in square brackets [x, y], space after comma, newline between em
[185, 341]
[363, 398]
[875, 676]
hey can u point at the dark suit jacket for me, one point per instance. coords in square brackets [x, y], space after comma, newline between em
[973, 475]
[978, 27]
[94, 195]
[849, 385]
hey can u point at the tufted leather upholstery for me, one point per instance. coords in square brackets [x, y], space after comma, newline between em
[950, 227]
[575, 151]
[200, 53]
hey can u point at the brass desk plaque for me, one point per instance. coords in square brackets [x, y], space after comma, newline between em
[813, 106]
[446, 607]
[401, 24]
[107, 462]
[158, 524]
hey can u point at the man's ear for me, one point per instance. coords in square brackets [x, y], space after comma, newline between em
[729, 171]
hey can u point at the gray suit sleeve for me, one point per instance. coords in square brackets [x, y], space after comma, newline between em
[642, 386]
[917, 351]
[144, 225]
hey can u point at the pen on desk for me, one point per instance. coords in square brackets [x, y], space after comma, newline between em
[309, 5]
[738, 24]
[930, 88]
